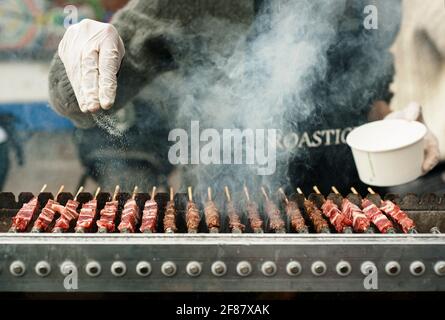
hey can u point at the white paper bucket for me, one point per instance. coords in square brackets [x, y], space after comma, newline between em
[388, 152]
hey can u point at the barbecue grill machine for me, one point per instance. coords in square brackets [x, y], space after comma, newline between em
[228, 250]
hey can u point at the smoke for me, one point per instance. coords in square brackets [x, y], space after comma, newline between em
[262, 82]
[297, 66]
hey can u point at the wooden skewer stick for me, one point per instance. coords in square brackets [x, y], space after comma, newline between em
[226, 190]
[265, 193]
[172, 194]
[209, 193]
[317, 191]
[113, 198]
[253, 215]
[43, 188]
[335, 190]
[35, 229]
[59, 229]
[301, 192]
[246, 192]
[59, 192]
[96, 193]
[172, 199]
[14, 229]
[190, 193]
[271, 212]
[153, 193]
[234, 221]
[308, 209]
[280, 190]
[133, 198]
[371, 191]
[116, 191]
[78, 192]
[354, 191]
[82, 229]
[135, 192]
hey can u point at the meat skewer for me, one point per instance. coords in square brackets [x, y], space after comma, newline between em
[256, 223]
[341, 223]
[397, 215]
[211, 213]
[315, 215]
[192, 216]
[130, 214]
[87, 214]
[47, 215]
[376, 216]
[68, 213]
[23, 218]
[170, 215]
[235, 224]
[360, 222]
[276, 223]
[108, 214]
[294, 214]
[150, 214]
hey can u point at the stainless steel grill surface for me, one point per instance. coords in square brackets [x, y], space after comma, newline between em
[224, 259]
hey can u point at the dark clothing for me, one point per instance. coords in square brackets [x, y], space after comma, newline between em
[170, 42]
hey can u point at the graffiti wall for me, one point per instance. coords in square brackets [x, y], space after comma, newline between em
[33, 28]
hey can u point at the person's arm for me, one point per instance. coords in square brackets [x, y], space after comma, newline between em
[430, 29]
[382, 39]
[62, 98]
[146, 41]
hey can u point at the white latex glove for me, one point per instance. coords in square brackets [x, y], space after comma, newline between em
[413, 112]
[92, 53]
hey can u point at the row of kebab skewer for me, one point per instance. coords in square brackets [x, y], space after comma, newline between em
[347, 217]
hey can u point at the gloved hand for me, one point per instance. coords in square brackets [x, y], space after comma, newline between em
[92, 53]
[413, 112]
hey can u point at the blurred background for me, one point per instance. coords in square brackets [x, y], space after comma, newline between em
[36, 145]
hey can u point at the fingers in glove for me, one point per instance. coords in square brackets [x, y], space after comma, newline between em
[110, 57]
[431, 153]
[90, 81]
[412, 112]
